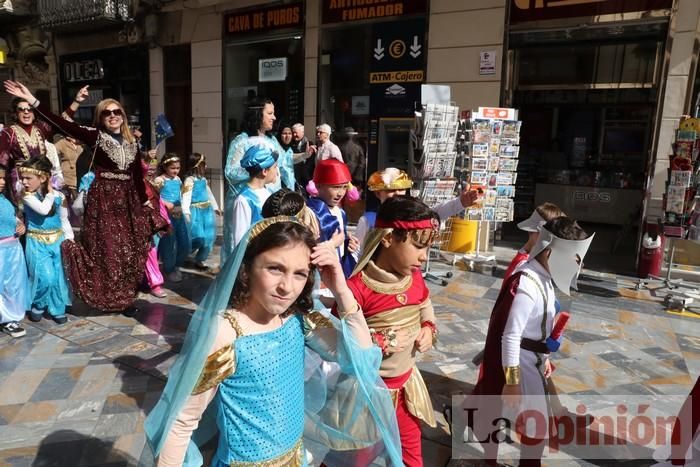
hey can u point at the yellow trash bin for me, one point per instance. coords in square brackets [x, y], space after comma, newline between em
[463, 235]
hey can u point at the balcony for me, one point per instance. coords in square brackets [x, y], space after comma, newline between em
[80, 15]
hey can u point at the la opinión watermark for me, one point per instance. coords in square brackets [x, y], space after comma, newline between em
[594, 427]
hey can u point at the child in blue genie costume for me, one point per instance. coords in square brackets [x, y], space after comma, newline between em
[258, 120]
[241, 370]
[260, 162]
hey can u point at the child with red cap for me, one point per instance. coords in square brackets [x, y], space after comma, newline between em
[331, 183]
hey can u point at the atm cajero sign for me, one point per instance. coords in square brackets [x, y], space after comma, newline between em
[272, 69]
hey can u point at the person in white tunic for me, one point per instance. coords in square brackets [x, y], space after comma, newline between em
[516, 355]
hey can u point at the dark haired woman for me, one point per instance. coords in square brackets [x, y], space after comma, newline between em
[241, 369]
[106, 267]
[285, 136]
[258, 121]
[27, 138]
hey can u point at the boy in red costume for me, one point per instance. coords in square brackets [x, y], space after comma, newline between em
[388, 285]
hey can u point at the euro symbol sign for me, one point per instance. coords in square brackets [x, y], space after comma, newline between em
[397, 48]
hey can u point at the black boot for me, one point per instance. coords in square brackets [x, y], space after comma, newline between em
[130, 312]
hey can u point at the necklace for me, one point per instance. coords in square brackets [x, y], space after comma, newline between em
[33, 139]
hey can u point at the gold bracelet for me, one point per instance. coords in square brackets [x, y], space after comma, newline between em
[512, 375]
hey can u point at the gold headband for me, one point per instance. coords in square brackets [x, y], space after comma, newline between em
[261, 226]
[32, 170]
[170, 159]
[377, 183]
[201, 159]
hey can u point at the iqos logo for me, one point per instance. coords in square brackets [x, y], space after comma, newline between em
[592, 196]
[273, 64]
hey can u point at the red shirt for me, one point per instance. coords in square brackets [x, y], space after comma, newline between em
[372, 302]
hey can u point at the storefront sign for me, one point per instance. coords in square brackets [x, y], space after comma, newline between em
[497, 112]
[84, 70]
[272, 69]
[534, 10]
[487, 62]
[360, 105]
[343, 11]
[591, 204]
[415, 76]
[264, 19]
[397, 67]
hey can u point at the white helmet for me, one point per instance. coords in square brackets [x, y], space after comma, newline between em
[565, 259]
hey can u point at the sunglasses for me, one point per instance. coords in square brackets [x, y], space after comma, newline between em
[114, 112]
[25, 109]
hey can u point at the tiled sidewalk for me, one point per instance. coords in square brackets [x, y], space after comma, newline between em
[76, 395]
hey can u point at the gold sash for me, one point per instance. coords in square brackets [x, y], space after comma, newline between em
[403, 317]
[45, 236]
[201, 205]
[417, 397]
[292, 458]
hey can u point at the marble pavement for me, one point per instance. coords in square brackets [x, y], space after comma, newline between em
[76, 395]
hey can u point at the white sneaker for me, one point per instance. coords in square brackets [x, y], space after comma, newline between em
[14, 329]
[175, 276]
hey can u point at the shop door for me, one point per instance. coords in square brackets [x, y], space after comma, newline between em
[178, 98]
[244, 81]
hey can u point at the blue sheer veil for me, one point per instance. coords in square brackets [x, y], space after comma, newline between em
[198, 342]
[368, 419]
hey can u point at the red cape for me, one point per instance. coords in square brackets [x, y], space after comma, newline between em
[492, 379]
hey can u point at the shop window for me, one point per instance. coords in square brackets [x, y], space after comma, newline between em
[343, 79]
[242, 80]
[178, 97]
[588, 65]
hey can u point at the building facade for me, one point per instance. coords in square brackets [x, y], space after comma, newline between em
[601, 85]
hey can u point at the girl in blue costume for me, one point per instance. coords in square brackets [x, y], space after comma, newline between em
[175, 246]
[46, 216]
[15, 297]
[257, 121]
[260, 161]
[241, 370]
[199, 207]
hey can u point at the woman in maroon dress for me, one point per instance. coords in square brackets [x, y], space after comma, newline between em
[105, 268]
[27, 138]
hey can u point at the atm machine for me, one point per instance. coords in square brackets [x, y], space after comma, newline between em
[394, 143]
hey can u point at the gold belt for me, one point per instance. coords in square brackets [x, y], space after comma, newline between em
[201, 205]
[115, 176]
[417, 398]
[45, 236]
[292, 458]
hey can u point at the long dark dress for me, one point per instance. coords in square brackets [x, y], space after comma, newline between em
[105, 268]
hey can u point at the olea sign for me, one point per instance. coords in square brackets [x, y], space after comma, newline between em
[84, 70]
[272, 69]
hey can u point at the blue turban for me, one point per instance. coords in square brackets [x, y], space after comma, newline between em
[259, 155]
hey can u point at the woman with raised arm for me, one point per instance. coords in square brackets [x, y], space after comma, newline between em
[27, 139]
[105, 268]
